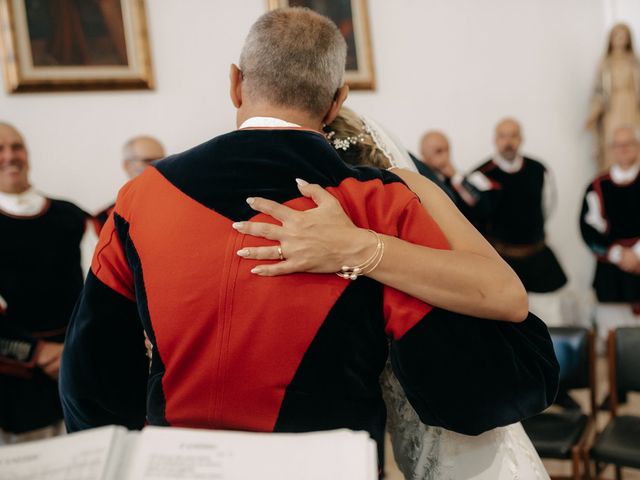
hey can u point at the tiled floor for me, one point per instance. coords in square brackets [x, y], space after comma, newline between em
[557, 467]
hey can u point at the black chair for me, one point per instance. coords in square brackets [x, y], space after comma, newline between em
[564, 434]
[619, 442]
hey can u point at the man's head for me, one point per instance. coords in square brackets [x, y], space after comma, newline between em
[508, 138]
[624, 145]
[14, 160]
[139, 152]
[292, 61]
[435, 151]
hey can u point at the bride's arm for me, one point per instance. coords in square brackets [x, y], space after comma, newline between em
[471, 279]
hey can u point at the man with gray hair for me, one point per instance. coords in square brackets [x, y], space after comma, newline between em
[137, 154]
[234, 350]
[610, 226]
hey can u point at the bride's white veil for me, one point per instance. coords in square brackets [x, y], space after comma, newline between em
[388, 144]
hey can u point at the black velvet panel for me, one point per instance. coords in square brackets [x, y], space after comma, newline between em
[337, 382]
[156, 401]
[470, 375]
[104, 367]
[265, 163]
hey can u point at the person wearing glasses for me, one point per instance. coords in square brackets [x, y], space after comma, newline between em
[137, 154]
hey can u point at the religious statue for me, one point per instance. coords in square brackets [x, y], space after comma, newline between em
[616, 96]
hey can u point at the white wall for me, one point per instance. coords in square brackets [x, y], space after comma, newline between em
[458, 65]
[627, 11]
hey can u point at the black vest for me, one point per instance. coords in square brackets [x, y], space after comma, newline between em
[40, 279]
[518, 214]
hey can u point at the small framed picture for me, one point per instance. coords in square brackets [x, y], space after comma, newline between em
[58, 45]
[352, 19]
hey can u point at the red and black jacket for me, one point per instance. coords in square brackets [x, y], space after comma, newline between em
[292, 353]
[620, 225]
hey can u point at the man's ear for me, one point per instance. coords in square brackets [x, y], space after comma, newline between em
[235, 85]
[125, 167]
[336, 105]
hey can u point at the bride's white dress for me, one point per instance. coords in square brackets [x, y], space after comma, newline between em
[433, 453]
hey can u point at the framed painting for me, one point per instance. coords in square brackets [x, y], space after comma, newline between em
[352, 19]
[62, 45]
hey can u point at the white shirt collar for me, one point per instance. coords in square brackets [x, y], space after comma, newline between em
[256, 122]
[25, 204]
[506, 165]
[622, 176]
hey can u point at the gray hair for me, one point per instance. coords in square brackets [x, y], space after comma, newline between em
[129, 151]
[294, 57]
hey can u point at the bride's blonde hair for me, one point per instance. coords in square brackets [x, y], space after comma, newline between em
[354, 141]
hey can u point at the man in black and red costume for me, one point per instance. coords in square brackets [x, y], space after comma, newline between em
[519, 194]
[40, 280]
[610, 226]
[295, 353]
[436, 156]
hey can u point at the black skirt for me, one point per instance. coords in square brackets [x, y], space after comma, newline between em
[540, 272]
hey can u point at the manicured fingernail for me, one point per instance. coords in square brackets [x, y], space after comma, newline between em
[250, 200]
[237, 225]
[301, 182]
[256, 270]
[243, 253]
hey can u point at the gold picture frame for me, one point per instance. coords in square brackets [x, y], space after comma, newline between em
[75, 46]
[352, 18]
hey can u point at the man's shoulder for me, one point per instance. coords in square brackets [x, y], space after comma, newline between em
[245, 144]
[363, 173]
[486, 166]
[67, 208]
[602, 177]
[374, 196]
[534, 163]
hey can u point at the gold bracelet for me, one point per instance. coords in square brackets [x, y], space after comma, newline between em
[352, 273]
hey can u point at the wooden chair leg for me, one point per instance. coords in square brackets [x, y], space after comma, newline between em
[618, 473]
[587, 464]
[575, 463]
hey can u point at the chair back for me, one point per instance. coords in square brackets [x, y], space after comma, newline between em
[627, 359]
[575, 351]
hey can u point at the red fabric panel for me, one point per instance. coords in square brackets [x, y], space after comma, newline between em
[227, 365]
[109, 263]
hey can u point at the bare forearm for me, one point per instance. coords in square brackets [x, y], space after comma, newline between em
[462, 282]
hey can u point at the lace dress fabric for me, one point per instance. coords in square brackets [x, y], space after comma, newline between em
[423, 452]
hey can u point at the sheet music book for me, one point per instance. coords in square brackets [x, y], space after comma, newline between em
[162, 453]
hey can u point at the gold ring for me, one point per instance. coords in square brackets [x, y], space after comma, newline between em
[280, 253]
